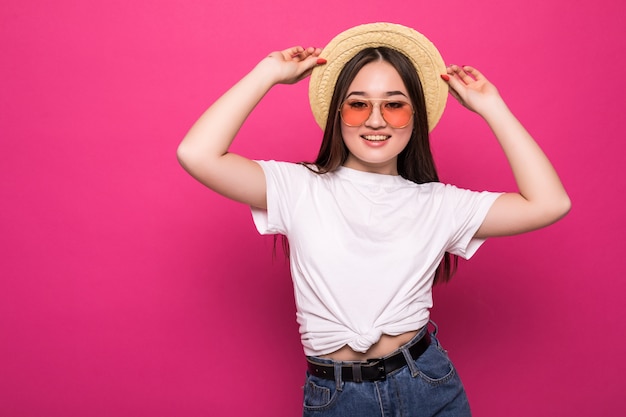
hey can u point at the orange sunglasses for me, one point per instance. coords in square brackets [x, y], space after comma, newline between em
[396, 113]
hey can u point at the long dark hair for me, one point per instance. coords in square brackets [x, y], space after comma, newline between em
[415, 162]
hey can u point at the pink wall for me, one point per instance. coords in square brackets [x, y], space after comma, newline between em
[127, 289]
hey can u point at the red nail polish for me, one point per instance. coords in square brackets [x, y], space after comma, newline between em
[445, 77]
[321, 61]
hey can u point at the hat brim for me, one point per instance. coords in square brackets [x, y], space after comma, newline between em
[423, 54]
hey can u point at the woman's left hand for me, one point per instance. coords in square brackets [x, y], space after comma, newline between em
[470, 87]
[541, 199]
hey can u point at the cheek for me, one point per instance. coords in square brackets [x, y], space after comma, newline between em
[403, 141]
[348, 134]
[343, 130]
[404, 136]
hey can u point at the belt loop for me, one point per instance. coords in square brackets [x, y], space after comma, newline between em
[338, 381]
[436, 330]
[409, 361]
[356, 372]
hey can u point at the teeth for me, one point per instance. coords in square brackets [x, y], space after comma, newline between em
[376, 138]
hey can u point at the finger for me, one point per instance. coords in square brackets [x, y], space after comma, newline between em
[460, 73]
[294, 52]
[305, 67]
[310, 51]
[474, 72]
[310, 57]
[456, 96]
[305, 74]
[454, 83]
[312, 61]
[308, 67]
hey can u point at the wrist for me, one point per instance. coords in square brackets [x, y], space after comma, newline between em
[266, 72]
[493, 109]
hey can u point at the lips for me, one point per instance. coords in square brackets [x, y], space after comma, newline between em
[376, 138]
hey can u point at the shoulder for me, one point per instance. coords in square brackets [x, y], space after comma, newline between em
[451, 190]
[455, 196]
[433, 189]
[280, 174]
[286, 167]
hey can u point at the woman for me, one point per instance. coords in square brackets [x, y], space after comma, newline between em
[369, 226]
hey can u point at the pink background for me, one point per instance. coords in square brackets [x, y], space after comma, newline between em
[128, 289]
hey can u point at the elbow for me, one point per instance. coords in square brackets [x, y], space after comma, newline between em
[559, 209]
[566, 206]
[196, 162]
[184, 156]
[550, 212]
[181, 153]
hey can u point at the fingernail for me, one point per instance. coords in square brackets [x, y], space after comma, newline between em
[321, 61]
[445, 77]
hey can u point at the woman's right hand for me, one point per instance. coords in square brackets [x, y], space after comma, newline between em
[293, 64]
[204, 152]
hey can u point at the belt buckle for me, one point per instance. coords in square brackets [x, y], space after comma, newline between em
[379, 364]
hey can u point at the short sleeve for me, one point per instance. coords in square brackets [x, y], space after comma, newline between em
[284, 182]
[469, 211]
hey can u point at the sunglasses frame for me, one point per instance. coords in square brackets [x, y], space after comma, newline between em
[382, 114]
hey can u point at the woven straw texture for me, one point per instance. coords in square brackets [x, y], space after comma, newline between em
[424, 55]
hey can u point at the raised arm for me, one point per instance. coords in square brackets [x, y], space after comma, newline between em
[541, 199]
[204, 150]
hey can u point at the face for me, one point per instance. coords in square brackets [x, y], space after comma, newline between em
[375, 144]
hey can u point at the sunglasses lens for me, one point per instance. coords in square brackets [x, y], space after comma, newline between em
[396, 113]
[355, 112]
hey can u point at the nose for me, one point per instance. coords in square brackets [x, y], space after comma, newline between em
[376, 119]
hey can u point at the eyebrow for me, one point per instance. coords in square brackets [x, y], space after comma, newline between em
[388, 93]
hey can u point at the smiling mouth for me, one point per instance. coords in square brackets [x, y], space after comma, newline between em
[375, 138]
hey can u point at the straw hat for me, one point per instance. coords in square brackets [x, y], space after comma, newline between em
[346, 45]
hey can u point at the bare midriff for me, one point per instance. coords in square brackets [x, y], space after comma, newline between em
[386, 345]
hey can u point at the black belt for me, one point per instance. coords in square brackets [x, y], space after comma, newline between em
[372, 369]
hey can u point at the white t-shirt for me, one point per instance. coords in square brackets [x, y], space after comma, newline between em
[365, 248]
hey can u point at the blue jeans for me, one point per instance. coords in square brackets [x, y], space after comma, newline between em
[428, 386]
